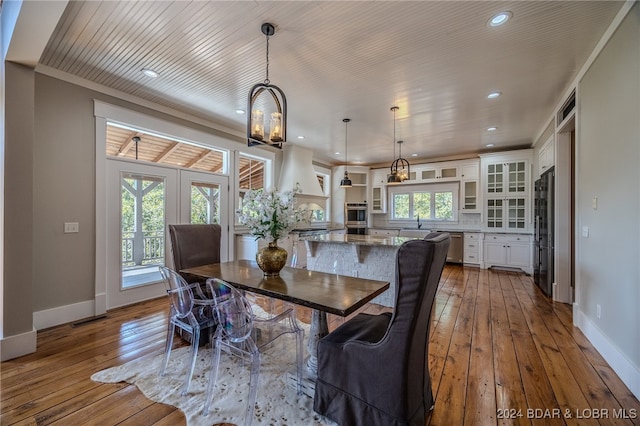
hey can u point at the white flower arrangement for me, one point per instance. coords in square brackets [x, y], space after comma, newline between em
[269, 214]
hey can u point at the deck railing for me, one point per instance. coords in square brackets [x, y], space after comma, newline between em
[142, 248]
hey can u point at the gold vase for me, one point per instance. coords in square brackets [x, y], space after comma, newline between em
[271, 259]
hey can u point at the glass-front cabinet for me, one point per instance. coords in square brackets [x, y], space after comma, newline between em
[439, 172]
[379, 191]
[507, 178]
[506, 191]
[470, 187]
[470, 196]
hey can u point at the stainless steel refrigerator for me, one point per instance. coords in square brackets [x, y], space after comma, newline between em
[543, 264]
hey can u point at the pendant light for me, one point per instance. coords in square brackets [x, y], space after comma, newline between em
[277, 113]
[400, 167]
[345, 182]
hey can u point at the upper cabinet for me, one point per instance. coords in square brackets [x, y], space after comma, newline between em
[546, 156]
[378, 195]
[506, 192]
[438, 172]
[470, 187]
[467, 172]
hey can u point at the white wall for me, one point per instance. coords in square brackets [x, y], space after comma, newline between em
[608, 168]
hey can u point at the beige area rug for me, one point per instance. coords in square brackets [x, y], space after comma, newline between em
[276, 404]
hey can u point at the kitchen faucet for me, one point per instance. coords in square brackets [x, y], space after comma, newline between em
[419, 223]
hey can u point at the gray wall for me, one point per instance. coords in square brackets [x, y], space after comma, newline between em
[608, 167]
[64, 186]
[18, 213]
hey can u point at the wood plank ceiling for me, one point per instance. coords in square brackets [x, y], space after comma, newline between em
[436, 60]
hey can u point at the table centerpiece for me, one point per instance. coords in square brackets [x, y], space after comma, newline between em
[270, 215]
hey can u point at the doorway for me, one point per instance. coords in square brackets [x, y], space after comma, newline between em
[142, 200]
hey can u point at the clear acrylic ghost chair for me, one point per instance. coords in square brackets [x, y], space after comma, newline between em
[241, 334]
[187, 313]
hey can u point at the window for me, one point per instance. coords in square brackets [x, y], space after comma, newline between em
[427, 202]
[154, 148]
[319, 211]
[251, 175]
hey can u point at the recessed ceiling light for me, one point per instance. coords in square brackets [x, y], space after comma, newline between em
[239, 111]
[491, 129]
[490, 145]
[337, 153]
[149, 72]
[494, 95]
[414, 155]
[300, 137]
[499, 19]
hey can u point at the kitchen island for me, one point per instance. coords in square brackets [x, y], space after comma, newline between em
[362, 256]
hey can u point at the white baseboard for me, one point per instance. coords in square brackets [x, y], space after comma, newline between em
[625, 369]
[18, 345]
[63, 314]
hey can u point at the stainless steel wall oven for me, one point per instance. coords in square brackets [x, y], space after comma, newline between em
[355, 215]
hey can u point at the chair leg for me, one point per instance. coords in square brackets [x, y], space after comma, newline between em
[299, 357]
[195, 340]
[167, 347]
[213, 376]
[253, 388]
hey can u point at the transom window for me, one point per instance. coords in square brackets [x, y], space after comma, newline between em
[426, 202]
[134, 144]
[251, 175]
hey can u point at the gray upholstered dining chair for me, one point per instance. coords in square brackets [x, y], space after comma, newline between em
[373, 369]
[194, 245]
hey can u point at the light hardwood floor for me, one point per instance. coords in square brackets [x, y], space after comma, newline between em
[498, 348]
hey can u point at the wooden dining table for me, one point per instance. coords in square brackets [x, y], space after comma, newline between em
[322, 292]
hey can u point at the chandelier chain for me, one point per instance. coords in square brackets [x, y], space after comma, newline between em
[266, 80]
[346, 125]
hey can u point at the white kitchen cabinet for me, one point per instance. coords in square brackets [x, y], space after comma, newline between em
[506, 191]
[470, 187]
[378, 191]
[546, 156]
[472, 252]
[383, 232]
[247, 246]
[507, 178]
[470, 171]
[506, 214]
[437, 173]
[469, 199]
[508, 250]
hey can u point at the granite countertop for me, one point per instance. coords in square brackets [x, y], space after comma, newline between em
[361, 240]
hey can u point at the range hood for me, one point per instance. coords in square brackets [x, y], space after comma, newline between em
[297, 169]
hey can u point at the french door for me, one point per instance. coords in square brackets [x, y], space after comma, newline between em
[204, 198]
[142, 200]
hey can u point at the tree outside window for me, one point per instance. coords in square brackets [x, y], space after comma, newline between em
[422, 205]
[401, 207]
[443, 206]
[433, 205]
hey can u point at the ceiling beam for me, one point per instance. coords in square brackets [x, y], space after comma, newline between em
[198, 159]
[126, 146]
[167, 152]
